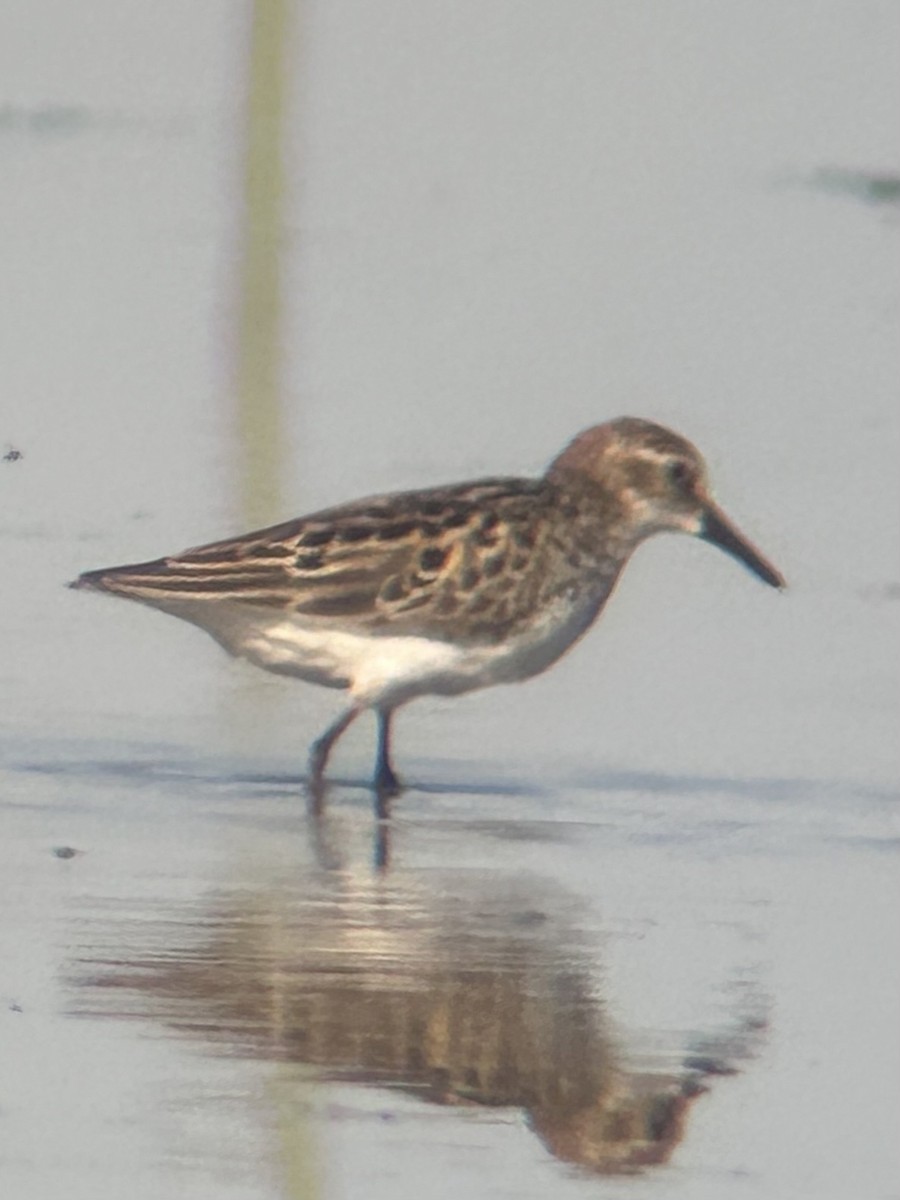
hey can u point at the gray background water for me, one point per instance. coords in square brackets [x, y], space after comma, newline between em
[505, 221]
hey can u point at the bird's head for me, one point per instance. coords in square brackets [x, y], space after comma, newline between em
[658, 482]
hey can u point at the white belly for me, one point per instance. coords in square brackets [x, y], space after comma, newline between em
[383, 669]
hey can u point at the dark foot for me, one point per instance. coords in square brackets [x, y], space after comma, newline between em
[385, 785]
[386, 782]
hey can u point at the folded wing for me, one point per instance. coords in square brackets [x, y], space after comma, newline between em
[415, 562]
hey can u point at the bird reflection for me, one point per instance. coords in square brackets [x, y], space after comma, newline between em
[461, 987]
[327, 844]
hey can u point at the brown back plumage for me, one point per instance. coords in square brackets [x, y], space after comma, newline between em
[416, 560]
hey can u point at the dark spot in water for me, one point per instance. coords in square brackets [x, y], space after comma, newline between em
[432, 559]
[64, 851]
[470, 578]
[316, 537]
[862, 185]
[530, 917]
[396, 530]
[494, 565]
[310, 562]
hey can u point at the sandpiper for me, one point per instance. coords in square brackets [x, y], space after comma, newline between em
[443, 590]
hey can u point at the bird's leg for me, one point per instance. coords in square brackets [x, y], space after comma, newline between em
[321, 749]
[386, 783]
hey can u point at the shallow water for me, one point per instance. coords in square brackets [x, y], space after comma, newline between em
[642, 912]
[539, 976]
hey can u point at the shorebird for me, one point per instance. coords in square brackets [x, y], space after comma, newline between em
[442, 590]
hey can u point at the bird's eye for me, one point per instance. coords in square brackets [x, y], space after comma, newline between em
[681, 473]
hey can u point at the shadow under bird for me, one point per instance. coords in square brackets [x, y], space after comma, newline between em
[442, 590]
